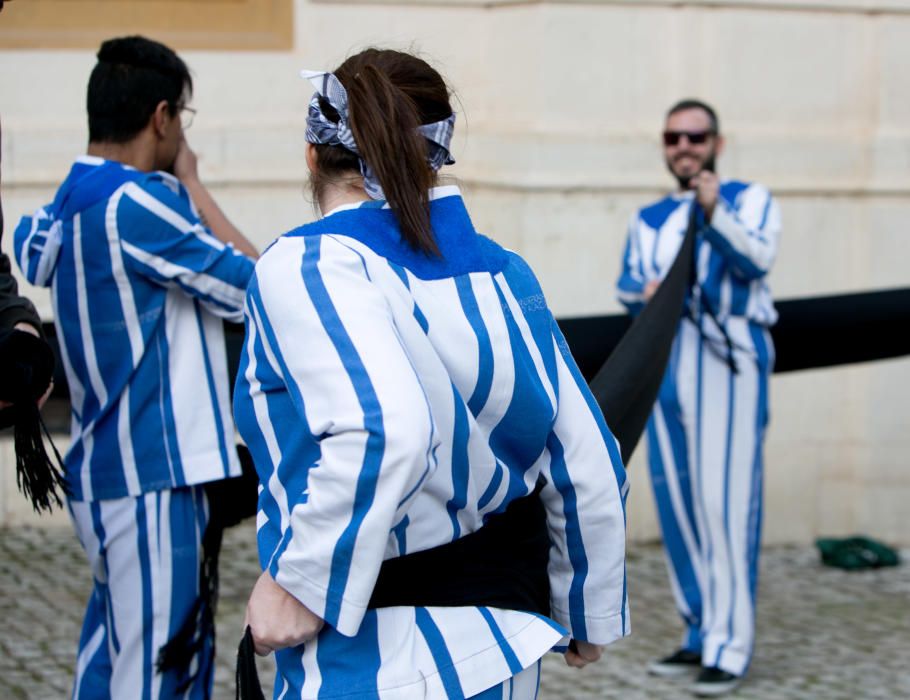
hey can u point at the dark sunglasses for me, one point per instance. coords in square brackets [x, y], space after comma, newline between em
[672, 138]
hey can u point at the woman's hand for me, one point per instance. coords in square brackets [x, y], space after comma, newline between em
[277, 619]
[580, 654]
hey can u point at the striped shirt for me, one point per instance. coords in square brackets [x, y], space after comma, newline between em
[392, 402]
[139, 289]
[734, 252]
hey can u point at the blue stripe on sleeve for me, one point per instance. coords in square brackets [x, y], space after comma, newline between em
[368, 477]
[581, 385]
[610, 443]
[765, 211]
[298, 449]
[563, 483]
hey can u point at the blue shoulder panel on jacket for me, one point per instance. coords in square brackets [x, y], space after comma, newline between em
[463, 249]
[656, 214]
[731, 190]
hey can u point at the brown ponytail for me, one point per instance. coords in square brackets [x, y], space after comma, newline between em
[390, 94]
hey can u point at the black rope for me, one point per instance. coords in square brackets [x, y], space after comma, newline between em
[247, 677]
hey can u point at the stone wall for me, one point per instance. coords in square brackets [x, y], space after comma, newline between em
[561, 104]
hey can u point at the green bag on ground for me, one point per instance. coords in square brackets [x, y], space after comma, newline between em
[855, 553]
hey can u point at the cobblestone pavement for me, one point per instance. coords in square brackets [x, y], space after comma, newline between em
[822, 633]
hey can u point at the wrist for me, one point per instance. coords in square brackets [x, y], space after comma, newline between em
[26, 328]
[190, 179]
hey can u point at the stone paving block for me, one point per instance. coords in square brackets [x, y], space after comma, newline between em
[822, 633]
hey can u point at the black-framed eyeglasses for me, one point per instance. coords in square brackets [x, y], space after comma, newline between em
[672, 138]
[187, 114]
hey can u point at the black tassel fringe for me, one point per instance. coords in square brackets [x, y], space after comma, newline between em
[37, 477]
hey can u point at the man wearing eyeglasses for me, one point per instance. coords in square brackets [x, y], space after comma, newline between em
[142, 266]
[707, 428]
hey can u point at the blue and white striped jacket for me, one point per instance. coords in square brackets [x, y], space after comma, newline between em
[139, 290]
[734, 252]
[392, 402]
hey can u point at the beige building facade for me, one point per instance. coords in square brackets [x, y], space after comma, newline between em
[560, 107]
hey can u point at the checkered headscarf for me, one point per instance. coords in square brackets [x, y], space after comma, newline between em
[322, 130]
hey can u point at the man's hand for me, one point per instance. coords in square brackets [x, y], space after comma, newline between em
[277, 619]
[580, 654]
[186, 164]
[707, 187]
[26, 328]
[46, 395]
[650, 289]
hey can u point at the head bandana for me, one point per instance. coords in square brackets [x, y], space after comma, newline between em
[322, 130]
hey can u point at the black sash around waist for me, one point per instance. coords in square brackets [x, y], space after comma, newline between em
[502, 565]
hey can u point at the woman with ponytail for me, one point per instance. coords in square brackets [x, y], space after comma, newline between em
[441, 501]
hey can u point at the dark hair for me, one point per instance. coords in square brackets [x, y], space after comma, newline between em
[390, 94]
[690, 103]
[132, 76]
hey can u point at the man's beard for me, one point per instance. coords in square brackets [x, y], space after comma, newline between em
[685, 180]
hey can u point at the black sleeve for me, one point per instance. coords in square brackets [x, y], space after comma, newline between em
[14, 308]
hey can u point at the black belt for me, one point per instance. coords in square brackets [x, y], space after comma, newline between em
[501, 565]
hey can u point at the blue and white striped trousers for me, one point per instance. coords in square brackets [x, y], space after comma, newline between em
[705, 440]
[144, 554]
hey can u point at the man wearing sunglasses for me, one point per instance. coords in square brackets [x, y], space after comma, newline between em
[707, 428]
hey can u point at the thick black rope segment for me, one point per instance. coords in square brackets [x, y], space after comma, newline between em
[627, 383]
[811, 333]
[841, 329]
